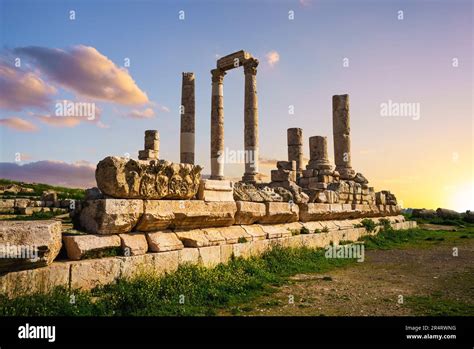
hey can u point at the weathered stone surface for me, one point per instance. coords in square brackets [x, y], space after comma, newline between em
[88, 274]
[250, 192]
[249, 212]
[28, 244]
[193, 238]
[39, 280]
[133, 266]
[186, 214]
[216, 190]
[134, 244]
[93, 194]
[90, 246]
[110, 216]
[210, 256]
[214, 235]
[227, 251]
[162, 241]
[283, 175]
[280, 212]
[255, 231]
[166, 262]
[189, 255]
[276, 231]
[126, 178]
[233, 234]
[49, 195]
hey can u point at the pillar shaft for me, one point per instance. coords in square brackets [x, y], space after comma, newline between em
[295, 147]
[152, 146]
[341, 132]
[187, 139]
[251, 121]
[217, 124]
[318, 153]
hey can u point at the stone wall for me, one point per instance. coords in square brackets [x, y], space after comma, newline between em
[167, 250]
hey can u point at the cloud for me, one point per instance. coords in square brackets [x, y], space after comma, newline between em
[148, 113]
[59, 121]
[87, 72]
[273, 57]
[77, 175]
[18, 124]
[22, 89]
[305, 3]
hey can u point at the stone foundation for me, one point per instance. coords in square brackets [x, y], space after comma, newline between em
[207, 247]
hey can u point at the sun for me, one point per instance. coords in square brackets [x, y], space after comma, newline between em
[463, 198]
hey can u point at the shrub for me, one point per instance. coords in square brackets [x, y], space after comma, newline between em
[304, 230]
[368, 224]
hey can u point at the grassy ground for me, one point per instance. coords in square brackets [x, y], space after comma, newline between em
[39, 188]
[267, 283]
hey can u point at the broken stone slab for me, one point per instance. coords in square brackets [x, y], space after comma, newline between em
[126, 178]
[216, 190]
[91, 246]
[280, 212]
[186, 214]
[276, 231]
[133, 244]
[234, 234]
[28, 244]
[193, 238]
[255, 231]
[110, 216]
[249, 212]
[163, 241]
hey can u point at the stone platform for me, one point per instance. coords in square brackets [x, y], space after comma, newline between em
[207, 247]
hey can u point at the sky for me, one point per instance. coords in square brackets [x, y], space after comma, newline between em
[126, 58]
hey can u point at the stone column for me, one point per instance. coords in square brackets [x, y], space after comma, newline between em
[217, 124]
[251, 121]
[152, 146]
[341, 132]
[187, 119]
[318, 153]
[295, 147]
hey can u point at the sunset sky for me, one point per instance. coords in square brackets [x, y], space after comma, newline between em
[362, 48]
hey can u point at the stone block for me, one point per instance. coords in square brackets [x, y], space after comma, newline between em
[110, 216]
[249, 212]
[166, 262]
[90, 246]
[193, 238]
[133, 266]
[134, 244]
[227, 251]
[162, 241]
[242, 250]
[255, 231]
[210, 256]
[286, 165]
[216, 190]
[189, 255]
[91, 273]
[280, 212]
[233, 234]
[28, 244]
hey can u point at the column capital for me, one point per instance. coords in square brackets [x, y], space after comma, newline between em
[218, 75]
[250, 67]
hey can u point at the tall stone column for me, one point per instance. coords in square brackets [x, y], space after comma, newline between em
[318, 153]
[152, 146]
[342, 139]
[217, 124]
[251, 121]
[295, 147]
[187, 139]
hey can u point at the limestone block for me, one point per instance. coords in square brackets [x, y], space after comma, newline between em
[242, 250]
[233, 234]
[133, 266]
[210, 256]
[308, 173]
[186, 214]
[21, 203]
[314, 212]
[276, 231]
[259, 247]
[216, 190]
[134, 244]
[286, 165]
[249, 212]
[283, 175]
[126, 178]
[28, 244]
[189, 255]
[227, 251]
[166, 262]
[110, 216]
[280, 212]
[162, 241]
[193, 238]
[39, 280]
[90, 246]
[91, 273]
[255, 231]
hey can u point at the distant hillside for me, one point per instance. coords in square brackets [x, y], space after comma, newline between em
[39, 188]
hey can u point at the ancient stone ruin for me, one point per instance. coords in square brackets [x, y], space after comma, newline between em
[154, 214]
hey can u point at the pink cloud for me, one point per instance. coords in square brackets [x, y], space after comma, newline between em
[80, 174]
[84, 70]
[21, 89]
[147, 113]
[18, 124]
[273, 57]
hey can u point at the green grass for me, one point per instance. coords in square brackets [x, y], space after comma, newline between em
[438, 306]
[205, 291]
[63, 192]
[35, 216]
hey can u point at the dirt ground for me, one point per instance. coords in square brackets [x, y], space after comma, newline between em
[378, 286]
